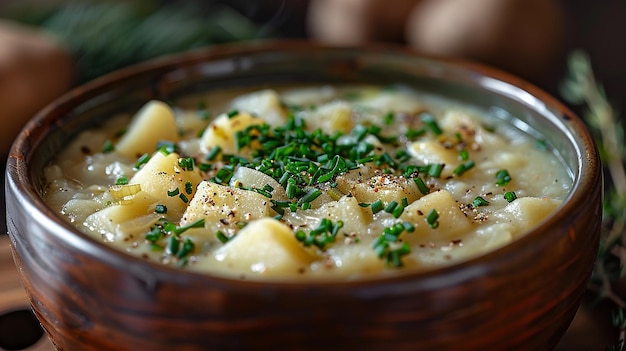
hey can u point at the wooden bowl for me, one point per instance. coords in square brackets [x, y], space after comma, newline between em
[89, 296]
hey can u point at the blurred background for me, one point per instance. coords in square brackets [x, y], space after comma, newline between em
[50, 46]
[530, 38]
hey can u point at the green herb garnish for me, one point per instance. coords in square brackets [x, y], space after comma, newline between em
[463, 167]
[432, 218]
[510, 196]
[323, 235]
[142, 160]
[108, 147]
[431, 123]
[232, 113]
[388, 247]
[162, 209]
[479, 201]
[502, 177]
[123, 180]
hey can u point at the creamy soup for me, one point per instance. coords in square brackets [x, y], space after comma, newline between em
[307, 183]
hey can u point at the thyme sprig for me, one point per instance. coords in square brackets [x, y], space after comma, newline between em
[580, 87]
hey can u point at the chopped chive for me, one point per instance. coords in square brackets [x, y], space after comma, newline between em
[187, 163]
[197, 224]
[391, 206]
[190, 163]
[382, 245]
[388, 118]
[123, 180]
[154, 234]
[434, 170]
[311, 195]
[464, 155]
[402, 155]
[291, 188]
[300, 235]
[204, 167]
[164, 150]
[172, 193]
[463, 167]
[502, 177]
[188, 188]
[414, 133]
[119, 133]
[183, 197]
[323, 235]
[213, 153]
[143, 159]
[432, 218]
[397, 212]
[187, 248]
[160, 209]
[224, 174]
[479, 201]
[108, 146]
[172, 245]
[263, 192]
[408, 226]
[510, 196]
[431, 123]
[421, 185]
[377, 206]
[221, 237]
[167, 147]
[232, 113]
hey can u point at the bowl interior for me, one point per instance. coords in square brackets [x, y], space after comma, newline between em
[513, 100]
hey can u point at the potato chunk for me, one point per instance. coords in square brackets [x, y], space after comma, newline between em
[399, 101]
[221, 132]
[265, 104]
[470, 129]
[346, 209]
[430, 152]
[331, 117]
[368, 184]
[222, 206]
[452, 221]
[163, 178]
[107, 220]
[265, 246]
[251, 178]
[153, 123]
[526, 212]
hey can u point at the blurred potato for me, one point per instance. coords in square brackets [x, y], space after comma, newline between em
[35, 68]
[349, 22]
[525, 37]
[522, 36]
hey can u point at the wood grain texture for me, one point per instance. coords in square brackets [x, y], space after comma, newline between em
[12, 294]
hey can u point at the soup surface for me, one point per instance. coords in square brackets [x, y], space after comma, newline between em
[307, 183]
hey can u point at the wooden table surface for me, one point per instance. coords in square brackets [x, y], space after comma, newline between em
[591, 329]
